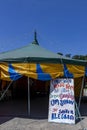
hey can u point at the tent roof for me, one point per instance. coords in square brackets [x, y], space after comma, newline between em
[32, 52]
[35, 53]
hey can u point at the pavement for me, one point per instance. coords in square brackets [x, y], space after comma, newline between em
[17, 123]
[13, 116]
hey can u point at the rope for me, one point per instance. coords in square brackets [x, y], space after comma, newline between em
[3, 94]
[81, 91]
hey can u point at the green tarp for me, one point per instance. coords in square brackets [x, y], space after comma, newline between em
[34, 53]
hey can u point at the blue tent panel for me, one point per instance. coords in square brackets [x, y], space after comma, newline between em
[41, 75]
[86, 71]
[13, 74]
[67, 74]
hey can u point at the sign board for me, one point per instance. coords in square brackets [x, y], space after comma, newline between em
[61, 101]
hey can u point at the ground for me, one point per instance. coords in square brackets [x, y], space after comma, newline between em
[13, 116]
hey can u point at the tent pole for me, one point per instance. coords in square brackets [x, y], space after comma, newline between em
[28, 97]
[81, 91]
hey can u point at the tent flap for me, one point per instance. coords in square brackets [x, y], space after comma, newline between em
[40, 71]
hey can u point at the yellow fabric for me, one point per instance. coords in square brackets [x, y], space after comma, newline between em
[26, 69]
[55, 70]
[4, 75]
[77, 71]
[29, 69]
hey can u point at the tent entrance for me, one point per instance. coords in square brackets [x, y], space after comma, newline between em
[17, 104]
[20, 88]
[39, 99]
[13, 103]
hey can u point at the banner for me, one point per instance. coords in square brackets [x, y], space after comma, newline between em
[61, 101]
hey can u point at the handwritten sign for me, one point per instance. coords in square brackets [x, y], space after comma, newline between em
[61, 101]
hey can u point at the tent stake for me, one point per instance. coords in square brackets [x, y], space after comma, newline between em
[28, 97]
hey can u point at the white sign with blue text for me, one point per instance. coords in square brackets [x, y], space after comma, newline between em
[61, 101]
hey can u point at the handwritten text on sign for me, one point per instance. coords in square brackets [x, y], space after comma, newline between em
[61, 101]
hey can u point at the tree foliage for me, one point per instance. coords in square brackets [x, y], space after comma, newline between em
[68, 55]
[79, 57]
[59, 53]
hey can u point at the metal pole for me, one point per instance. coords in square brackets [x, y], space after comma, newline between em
[81, 92]
[28, 97]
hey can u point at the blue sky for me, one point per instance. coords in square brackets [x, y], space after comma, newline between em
[61, 25]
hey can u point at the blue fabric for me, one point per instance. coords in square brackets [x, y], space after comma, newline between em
[86, 71]
[67, 74]
[13, 74]
[41, 75]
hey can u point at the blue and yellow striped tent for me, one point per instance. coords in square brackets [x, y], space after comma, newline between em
[38, 63]
[40, 71]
